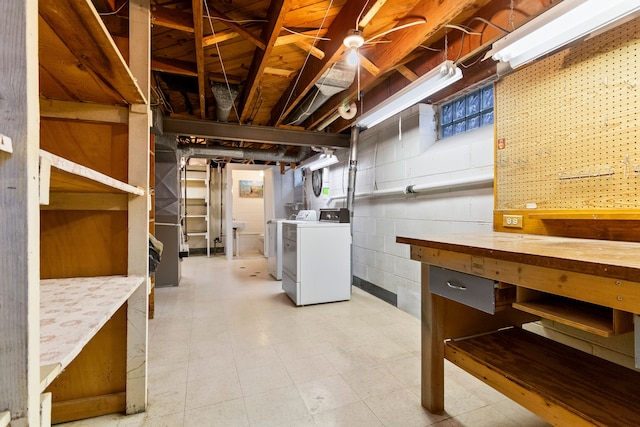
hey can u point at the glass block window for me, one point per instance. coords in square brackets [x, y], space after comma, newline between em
[467, 112]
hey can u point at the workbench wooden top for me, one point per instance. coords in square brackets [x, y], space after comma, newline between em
[605, 258]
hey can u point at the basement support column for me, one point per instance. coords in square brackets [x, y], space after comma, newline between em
[353, 167]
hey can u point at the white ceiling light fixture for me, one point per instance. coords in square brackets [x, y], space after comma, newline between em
[353, 42]
[319, 161]
[569, 21]
[435, 80]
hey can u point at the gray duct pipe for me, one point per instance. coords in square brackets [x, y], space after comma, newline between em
[244, 153]
[333, 81]
[225, 97]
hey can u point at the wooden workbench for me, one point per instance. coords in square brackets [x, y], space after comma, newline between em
[588, 284]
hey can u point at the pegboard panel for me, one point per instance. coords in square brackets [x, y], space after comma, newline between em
[567, 128]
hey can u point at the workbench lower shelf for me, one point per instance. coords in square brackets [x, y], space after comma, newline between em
[563, 385]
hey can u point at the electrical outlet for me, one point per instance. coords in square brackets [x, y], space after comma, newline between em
[513, 221]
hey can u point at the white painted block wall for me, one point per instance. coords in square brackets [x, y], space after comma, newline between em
[405, 151]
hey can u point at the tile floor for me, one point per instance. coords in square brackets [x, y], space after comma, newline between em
[228, 348]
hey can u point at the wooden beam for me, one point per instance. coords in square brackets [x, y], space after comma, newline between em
[174, 66]
[228, 22]
[219, 37]
[332, 48]
[277, 11]
[407, 73]
[172, 18]
[219, 77]
[292, 38]
[368, 16]
[198, 32]
[308, 47]
[368, 65]
[138, 210]
[83, 111]
[278, 71]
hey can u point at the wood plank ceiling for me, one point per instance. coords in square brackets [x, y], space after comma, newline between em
[274, 52]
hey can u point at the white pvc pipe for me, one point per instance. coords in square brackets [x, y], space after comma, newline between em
[424, 188]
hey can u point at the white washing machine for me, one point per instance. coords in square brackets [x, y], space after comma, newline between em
[316, 261]
[273, 236]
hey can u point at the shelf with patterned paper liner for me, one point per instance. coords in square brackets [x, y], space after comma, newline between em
[72, 311]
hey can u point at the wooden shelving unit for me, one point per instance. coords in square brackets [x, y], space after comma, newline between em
[68, 323]
[196, 206]
[89, 151]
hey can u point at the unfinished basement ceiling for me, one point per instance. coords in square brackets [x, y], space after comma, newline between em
[264, 63]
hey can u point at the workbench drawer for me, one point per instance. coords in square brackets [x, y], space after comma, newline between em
[474, 291]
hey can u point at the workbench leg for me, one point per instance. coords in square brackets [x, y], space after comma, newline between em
[432, 327]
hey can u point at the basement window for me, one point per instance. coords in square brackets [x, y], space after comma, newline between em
[467, 112]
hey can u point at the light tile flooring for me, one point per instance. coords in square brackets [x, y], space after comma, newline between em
[228, 348]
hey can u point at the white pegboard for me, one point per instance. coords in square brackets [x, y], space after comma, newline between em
[567, 127]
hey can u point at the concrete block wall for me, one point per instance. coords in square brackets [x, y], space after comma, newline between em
[405, 151]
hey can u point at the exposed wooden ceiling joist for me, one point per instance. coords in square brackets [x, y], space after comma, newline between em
[198, 35]
[292, 38]
[172, 18]
[174, 66]
[219, 37]
[230, 23]
[277, 12]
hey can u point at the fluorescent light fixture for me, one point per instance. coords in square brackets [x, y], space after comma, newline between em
[440, 77]
[569, 21]
[320, 161]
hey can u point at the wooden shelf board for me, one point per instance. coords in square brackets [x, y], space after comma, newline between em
[562, 384]
[78, 23]
[48, 373]
[5, 418]
[73, 310]
[597, 320]
[67, 176]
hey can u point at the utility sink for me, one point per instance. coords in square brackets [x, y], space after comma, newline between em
[239, 224]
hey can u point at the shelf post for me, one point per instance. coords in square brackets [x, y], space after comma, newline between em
[139, 144]
[19, 218]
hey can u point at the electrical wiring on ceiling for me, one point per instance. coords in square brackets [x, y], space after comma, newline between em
[306, 60]
[305, 35]
[116, 11]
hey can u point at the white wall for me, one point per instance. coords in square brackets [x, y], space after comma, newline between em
[248, 209]
[399, 152]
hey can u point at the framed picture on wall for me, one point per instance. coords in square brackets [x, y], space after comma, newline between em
[251, 188]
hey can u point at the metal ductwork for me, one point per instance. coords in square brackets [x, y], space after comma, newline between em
[277, 155]
[225, 96]
[336, 79]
